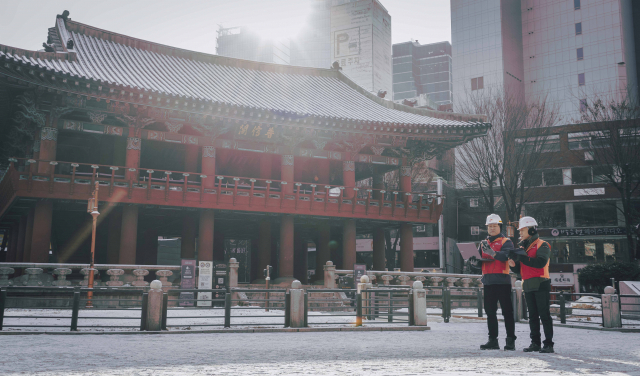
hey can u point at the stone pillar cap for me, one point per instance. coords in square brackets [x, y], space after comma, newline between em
[155, 284]
[417, 285]
[296, 284]
[364, 279]
[609, 290]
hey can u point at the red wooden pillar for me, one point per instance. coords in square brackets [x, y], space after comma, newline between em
[48, 145]
[285, 258]
[209, 167]
[36, 152]
[324, 171]
[188, 241]
[406, 247]
[405, 181]
[41, 238]
[379, 259]
[348, 178]
[129, 235]
[205, 236]
[323, 253]
[134, 147]
[28, 236]
[348, 244]
[20, 240]
[113, 238]
[286, 174]
[264, 245]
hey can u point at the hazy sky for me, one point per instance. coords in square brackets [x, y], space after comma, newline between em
[192, 24]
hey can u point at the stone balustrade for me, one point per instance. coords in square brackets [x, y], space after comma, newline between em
[387, 279]
[4, 276]
[62, 274]
[404, 280]
[85, 272]
[114, 279]
[163, 275]
[140, 274]
[436, 280]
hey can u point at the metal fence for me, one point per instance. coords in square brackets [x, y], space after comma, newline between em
[174, 302]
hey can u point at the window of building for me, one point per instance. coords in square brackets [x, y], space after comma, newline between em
[583, 105]
[475, 230]
[550, 143]
[588, 140]
[580, 53]
[576, 4]
[473, 202]
[602, 173]
[477, 83]
[534, 179]
[630, 136]
[579, 28]
[581, 175]
[595, 213]
[542, 143]
[548, 215]
[580, 79]
[552, 177]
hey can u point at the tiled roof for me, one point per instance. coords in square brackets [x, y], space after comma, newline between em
[121, 61]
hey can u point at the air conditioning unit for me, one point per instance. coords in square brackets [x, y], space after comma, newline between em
[588, 156]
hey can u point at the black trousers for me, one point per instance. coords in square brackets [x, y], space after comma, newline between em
[538, 306]
[492, 295]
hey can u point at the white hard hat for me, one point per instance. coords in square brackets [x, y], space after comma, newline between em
[527, 222]
[493, 218]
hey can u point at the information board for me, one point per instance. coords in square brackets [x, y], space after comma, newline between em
[205, 281]
[187, 282]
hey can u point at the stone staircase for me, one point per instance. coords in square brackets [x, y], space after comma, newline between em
[318, 300]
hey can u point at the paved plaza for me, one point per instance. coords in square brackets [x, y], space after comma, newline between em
[447, 349]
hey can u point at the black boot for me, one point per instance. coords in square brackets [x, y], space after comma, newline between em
[511, 344]
[547, 349]
[532, 347]
[492, 344]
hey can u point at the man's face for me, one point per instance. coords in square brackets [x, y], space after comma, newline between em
[524, 233]
[493, 229]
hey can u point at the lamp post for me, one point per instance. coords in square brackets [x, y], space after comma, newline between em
[92, 208]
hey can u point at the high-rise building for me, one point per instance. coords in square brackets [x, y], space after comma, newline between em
[242, 43]
[361, 42]
[422, 69]
[565, 50]
[312, 46]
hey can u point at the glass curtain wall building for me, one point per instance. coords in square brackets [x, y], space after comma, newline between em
[242, 43]
[423, 69]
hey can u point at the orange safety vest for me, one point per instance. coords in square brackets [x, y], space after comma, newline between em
[495, 266]
[528, 272]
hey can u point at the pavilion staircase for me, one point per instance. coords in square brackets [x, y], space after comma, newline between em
[337, 301]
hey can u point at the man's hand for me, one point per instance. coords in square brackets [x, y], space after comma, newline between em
[487, 249]
[512, 263]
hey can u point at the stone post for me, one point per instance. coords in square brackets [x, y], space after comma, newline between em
[419, 304]
[297, 305]
[329, 275]
[362, 288]
[233, 272]
[62, 277]
[154, 306]
[611, 308]
[114, 279]
[519, 306]
[4, 276]
[162, 275]
[33, 280]
[140, 274]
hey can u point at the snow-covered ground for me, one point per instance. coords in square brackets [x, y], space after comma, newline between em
[446, 349]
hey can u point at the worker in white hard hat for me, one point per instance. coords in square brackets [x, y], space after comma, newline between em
[534, 269]
[494, 250]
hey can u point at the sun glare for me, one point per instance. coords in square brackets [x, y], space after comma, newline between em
[275, 19]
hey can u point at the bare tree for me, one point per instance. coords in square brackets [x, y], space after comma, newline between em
[499, 164]
[615, 146]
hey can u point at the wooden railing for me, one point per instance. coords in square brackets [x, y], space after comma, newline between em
[175, 187]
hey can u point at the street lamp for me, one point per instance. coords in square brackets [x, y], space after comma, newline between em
[92, 208]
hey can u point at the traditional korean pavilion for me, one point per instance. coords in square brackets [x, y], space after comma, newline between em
[205, 148]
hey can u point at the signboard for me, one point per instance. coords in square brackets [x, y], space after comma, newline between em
[205, 281]
[358, 271]
[588, 231]
[258, 131]
[188, 282]
[220, 279]
[588, 192]
[562, 279]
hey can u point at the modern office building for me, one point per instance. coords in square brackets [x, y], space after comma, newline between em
[422, 69]
[312, 46]
[567, 50]
[361, 42]
[242, 43]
